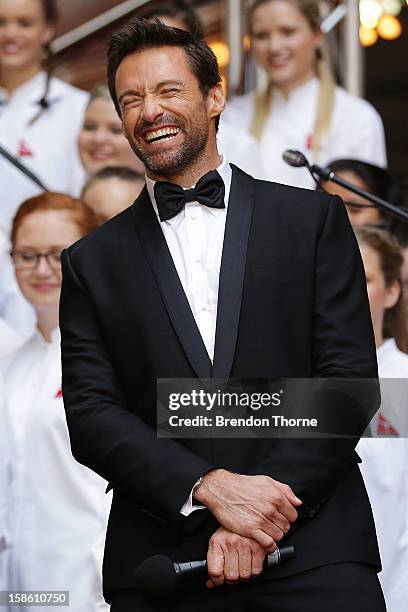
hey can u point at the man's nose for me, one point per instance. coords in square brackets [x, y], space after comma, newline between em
[151, 109]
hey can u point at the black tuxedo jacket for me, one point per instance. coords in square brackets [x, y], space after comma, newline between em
[292, 303]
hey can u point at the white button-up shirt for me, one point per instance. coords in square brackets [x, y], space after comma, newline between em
[195, 239]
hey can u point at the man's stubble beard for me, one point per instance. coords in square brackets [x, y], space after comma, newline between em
[175, 162]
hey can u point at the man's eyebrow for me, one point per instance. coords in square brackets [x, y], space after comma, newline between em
[128, 92]
[169, 82]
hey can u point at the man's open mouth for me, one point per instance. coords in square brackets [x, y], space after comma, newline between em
[161, 134]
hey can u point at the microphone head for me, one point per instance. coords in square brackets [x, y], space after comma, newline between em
[296, 159]
[156, 576]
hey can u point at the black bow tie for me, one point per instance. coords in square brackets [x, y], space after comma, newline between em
[171, 198]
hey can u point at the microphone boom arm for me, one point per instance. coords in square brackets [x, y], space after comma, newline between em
[327, 175]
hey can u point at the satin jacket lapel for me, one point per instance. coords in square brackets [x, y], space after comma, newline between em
[240, 206]
[171, 289]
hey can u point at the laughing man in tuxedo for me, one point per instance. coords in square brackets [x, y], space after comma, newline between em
[238, 278]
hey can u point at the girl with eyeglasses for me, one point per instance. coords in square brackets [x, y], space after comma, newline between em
[301, 107]
[59, 509]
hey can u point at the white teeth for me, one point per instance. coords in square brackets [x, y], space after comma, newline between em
[160, 133]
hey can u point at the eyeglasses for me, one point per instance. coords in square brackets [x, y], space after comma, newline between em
[28, 260]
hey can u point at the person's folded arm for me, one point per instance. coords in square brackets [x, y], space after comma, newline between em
[105, 434]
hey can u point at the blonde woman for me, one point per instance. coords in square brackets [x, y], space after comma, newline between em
[101, 141]
[301, 107]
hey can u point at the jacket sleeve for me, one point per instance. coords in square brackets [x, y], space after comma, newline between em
[343, 348]
[105, 435]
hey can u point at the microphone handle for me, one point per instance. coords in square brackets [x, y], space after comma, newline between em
[280, 555]
[190, 571]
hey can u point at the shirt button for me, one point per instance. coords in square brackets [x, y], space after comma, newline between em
[198, 259]
[193, 216]
[204, 307]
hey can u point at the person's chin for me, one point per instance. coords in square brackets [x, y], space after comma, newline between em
[93, 165]
[14, 61]
[161, 160]
[43, 295]
[281, 75]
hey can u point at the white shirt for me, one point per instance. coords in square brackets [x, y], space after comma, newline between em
[59, 508]
[48, 148]
[240, 149]
[356, 131]
[195, 238]
[4, 492]
[385, 472]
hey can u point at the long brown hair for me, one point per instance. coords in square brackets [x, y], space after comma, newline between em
[325, 103]
[391, 260]
[83, 216]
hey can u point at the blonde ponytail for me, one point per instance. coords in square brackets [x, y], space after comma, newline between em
[262, 109]
[325, 106]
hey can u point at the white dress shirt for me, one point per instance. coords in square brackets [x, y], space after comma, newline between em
[356, 131]
[195, 239]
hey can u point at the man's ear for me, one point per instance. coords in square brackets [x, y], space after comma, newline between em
[216, 101]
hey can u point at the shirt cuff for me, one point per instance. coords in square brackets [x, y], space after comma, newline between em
[189, 506]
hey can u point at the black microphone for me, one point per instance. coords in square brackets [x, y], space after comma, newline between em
[158, 576]
[296, 159]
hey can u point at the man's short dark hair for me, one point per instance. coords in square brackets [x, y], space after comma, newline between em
[140, 34]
